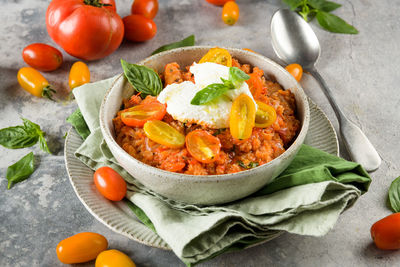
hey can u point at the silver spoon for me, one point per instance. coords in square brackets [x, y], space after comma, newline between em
[295, 42]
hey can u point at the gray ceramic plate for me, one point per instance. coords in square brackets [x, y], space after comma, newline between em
[117, 215]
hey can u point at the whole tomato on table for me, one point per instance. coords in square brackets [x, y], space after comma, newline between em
[42, 57]
[138, 28]
[147, 8]
[386, 232]
[86, 29]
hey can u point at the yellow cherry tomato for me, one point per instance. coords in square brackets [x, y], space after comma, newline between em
[265, 115]
[296, 70]
[113, 258]
[242, 117]
[230, 13]
[164, 134]
[219, 56]
[34, 82]
[81, 247]
[78, 75]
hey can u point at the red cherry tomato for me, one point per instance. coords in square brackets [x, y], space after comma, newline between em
[147, 8]
[138, 115]
[42, 57]
[386, 232]
[138, 28]
[87, 29]
[203, 146]
[218, 2]
[110, 183]
[81, 247]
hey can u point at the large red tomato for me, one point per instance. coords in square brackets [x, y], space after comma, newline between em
[86, 29]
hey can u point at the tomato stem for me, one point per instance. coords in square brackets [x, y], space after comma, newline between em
[48, 92]
[95, 3]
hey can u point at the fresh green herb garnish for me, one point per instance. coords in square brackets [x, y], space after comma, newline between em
[142, 78]
[215, 90]
[394, 195]
[79, 123]
[188, 41]
[251, 165]
[218, 131]
[321, 9]
[20, 170]
[22, 136]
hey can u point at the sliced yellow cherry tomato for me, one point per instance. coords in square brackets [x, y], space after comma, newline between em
[203, 146]
[113, 258]
[34, 82]
[265, 115]
[242, 117]
[219, 56]
[78, 75]
[296, 70]
[164, 134]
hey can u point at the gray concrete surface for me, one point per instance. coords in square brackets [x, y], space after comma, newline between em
[363, 70]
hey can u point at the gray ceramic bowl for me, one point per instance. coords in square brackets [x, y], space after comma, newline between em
[197, 189]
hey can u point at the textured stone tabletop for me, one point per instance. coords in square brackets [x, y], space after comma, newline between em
[363, 71]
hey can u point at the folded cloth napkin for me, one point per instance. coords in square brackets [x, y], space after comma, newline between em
[306, 199]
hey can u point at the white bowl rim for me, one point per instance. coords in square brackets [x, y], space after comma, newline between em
[217, 177]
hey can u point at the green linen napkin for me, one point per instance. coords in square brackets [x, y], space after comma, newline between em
[306, 199]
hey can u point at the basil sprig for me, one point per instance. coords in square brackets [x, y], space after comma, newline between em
[142, 78]
[25, 135]
[394, 195]
[321, 9]
[188, 41]
[20, 170]
[215, 90]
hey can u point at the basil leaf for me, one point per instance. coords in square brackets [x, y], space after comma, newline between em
[237, 76]
[293, 4]
[17, 137]
[35, 129]
[333, 23]
[79, 123]
[209, 93]
[20, 170]
[324, 5]
[394, 195]
[143, 79]
[188, 41]
[228, 83]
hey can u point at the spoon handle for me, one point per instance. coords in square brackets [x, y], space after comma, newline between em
[359, 147]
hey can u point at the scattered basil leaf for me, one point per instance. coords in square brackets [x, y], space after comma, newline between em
[228, 83]
[251, 165]
[394, 195]
[79, 123]
[188, 41]
[333, 23]
[237, 76]
[209, 93]
[142, 78]
[293, 4]
[35, 129]
[20, 170]
[324, 5]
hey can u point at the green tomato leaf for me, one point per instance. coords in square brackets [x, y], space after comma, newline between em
[188, 41]
[335, 24]
[237, 76]
[293, 4]
[209, 93]
[143, 79]
[20, 170]
[394, 195]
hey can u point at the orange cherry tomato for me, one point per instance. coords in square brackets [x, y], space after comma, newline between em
[164, 134]
[42, 57]
[296, 70]
[81, 247]
[138, 115]
[242, 117]
[386, 232]
[113, 258]
[34, 82]
[203, 146]
[138, 28]
[79, 74]
[147, 8]
[219, 56]
[110, 183]
[230, 13]
[218, 2]
[265, 115]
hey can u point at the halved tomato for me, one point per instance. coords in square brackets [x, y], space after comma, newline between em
[164, 134]
[203, 146]
[242, 117]
[265, 115]
[138, 115]
[219, 56]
